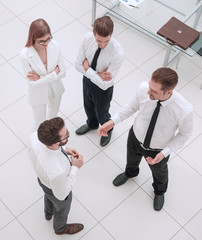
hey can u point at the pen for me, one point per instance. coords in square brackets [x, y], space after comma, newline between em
[133, 6]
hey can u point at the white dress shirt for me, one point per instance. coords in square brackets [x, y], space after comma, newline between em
[53, 168]
[174, 123]
[50, 82]
[110, 58]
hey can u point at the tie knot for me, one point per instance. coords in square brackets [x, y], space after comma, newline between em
[96, 55]
[159, 103]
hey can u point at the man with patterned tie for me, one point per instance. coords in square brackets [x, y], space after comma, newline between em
[99, 59]
[163, 124]
[56, 173]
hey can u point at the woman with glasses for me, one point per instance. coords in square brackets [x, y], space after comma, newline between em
[43, 65]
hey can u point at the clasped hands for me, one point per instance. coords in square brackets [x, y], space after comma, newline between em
[76, 158]
[110, 124]
[105, 76]
[33, 76]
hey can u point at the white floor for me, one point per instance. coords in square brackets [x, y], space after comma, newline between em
[106, 211]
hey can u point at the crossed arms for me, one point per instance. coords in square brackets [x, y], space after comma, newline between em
[105, 76]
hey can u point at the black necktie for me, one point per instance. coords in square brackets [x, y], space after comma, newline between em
[63, 151]
[152, 124]
[94, 62]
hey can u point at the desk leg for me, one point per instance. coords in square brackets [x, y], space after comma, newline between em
[198, 14]
[167, 56]
[178, 59]
[93, 16]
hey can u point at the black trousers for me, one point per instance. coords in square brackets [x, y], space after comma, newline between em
[96, 103]
[134, 156]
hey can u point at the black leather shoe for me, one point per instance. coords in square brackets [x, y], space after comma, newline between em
[120, 180]
[48, 217]
[105, 140]
[158, 202]
[84, 129]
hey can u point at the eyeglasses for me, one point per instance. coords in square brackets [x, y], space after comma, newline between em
[64, 138]
[44, 42]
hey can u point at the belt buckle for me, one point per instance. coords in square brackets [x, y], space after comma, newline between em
[147, 149]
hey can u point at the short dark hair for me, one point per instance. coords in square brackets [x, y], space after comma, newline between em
[37, 29]
[167, 77]
[48, 131]
[103, 26]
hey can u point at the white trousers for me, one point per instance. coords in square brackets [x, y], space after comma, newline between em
[46, 111]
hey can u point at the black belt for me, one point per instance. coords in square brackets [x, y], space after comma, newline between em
[150, 149]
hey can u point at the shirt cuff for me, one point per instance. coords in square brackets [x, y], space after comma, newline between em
[74, 170]
[115, 119]
[166, 151]
[90, 72]
[54, 76]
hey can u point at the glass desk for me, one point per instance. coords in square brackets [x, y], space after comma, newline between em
[149, 9]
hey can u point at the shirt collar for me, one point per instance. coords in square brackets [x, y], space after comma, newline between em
[102, 49]
[48, 150]
[165, 103]
[32, 51]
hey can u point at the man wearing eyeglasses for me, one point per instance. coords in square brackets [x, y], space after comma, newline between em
[56, 172]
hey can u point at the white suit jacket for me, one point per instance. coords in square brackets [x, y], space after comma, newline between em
[38, 91]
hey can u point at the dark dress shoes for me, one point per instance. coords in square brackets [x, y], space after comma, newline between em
[48, 217]
[84, 129]
[71, 229]
[105, 140]
[120, 180]
[158, 202]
